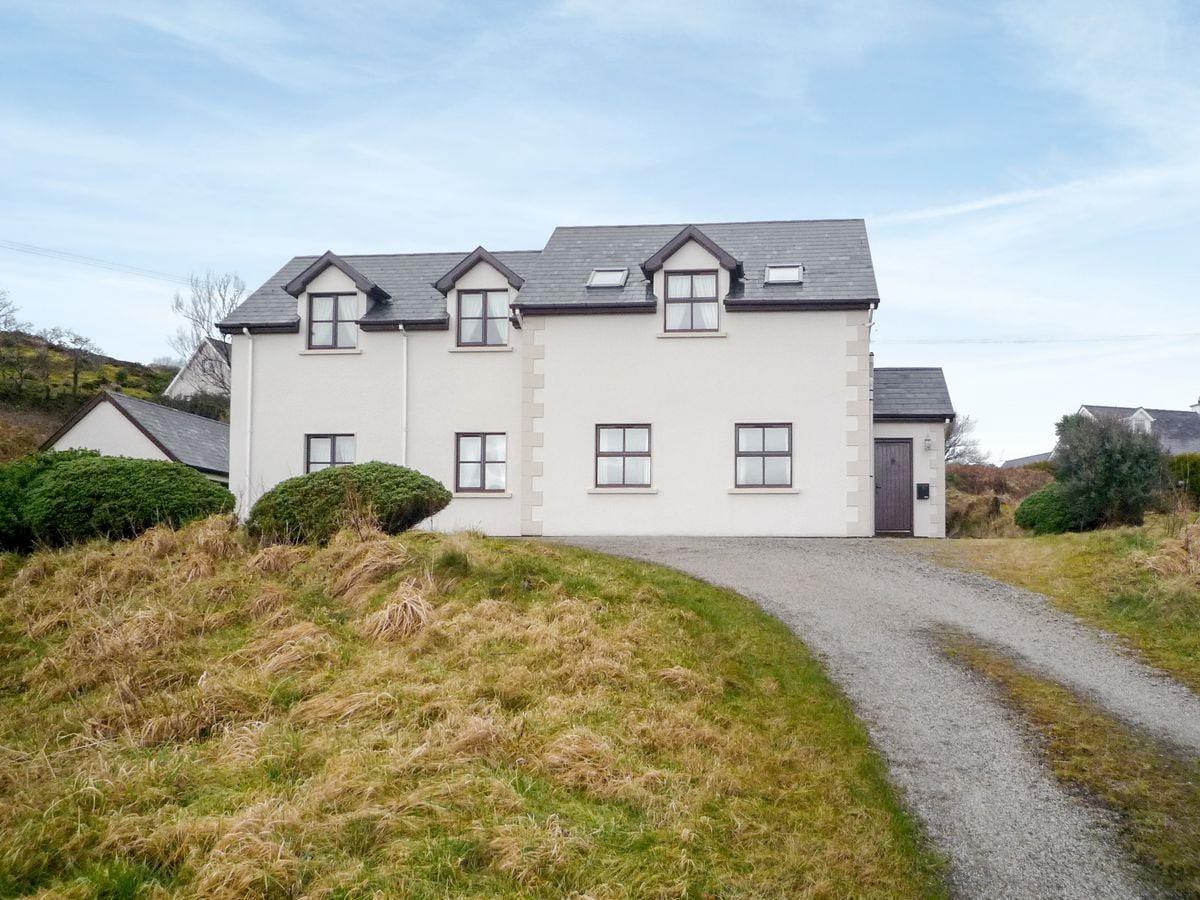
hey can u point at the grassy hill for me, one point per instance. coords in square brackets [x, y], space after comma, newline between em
[35, 400]
[187, 714]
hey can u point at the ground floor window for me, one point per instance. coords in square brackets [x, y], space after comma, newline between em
[322, 451]
[763, 455]
[622, 456]
[481, 461]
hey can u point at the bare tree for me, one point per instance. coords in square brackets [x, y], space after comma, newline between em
[14, 362]
[211, 298]
[962, 447]
[82, 352]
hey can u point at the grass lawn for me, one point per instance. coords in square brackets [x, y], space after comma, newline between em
[1153, 788]
[186, 714]
[1134, 582]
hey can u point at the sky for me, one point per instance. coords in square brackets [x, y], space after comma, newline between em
[1029, 172]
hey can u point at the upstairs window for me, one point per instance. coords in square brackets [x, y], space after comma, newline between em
[622, 456]
[691, 302]
[607, 278]
[331, 324]
[786, 274]
[481, 462]
[482, 318]
[763, 455]
[324, 451]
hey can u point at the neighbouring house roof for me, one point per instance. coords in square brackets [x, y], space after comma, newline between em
[1025, 460]
[223, 347]
[834, 252]
[1177, 430]
[224, 351]
[911, 395]
[407, 277]
[183, 437]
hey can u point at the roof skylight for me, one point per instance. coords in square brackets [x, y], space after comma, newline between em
[792, 273]
[607, 278]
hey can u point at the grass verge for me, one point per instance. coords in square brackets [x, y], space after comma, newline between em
[1153, 788]
[1135, 582]
[423, 716]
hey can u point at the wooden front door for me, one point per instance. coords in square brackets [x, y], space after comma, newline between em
[893, 486]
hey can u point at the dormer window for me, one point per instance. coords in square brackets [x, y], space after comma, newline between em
[331, 321]
[784, 274]
[691, 301]
[482, 318]
[607, 278]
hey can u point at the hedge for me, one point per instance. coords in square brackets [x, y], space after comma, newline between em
[313, 507]
[15, 479]
[116, 497]
[1050, 511]
[1185, 472]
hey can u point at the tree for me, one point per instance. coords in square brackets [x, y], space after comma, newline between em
[211, 298]
[1110, 473]
[82, 352]
[962, 447]
[14, 361]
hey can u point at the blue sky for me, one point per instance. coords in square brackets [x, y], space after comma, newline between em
[1026, 170]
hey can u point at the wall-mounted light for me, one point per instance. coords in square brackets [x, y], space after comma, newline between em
[928, 443]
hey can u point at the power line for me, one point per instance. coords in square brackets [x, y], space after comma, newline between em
[93, 261]
[1105, 339]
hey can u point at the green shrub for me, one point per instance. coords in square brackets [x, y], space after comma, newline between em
[1185, 472]
[1049, 511]
[116, 497]
[1110, 474]
[311, 508]
[15, 479]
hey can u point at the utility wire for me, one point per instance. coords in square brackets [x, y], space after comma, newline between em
[95, 262]
[1106, 339]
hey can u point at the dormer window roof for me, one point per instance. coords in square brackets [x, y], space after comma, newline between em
[784, 273]
[601, 278]
[297, 285]
[691, 233]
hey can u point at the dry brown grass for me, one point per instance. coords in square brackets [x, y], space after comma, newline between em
[188, 715]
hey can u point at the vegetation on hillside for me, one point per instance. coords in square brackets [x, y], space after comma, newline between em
[1142, 583]
[981, 499]
[1153, 788]
[422, 716]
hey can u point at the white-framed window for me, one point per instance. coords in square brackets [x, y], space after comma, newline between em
[763, 455]
[480, 462]
[790, 273]
[324, 451]
[622, 456]
[607, 278]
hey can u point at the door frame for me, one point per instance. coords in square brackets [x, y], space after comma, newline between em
[912, 510]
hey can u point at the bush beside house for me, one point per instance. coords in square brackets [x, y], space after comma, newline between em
[1185, 473]
[312, 508]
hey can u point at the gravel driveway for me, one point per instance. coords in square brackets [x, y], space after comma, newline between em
[872, 610]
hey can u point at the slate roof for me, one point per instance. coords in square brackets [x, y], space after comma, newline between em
[193, 440]
[834, 252]
[407, 277]
[1177, 430]
[1025, 460]
[223, 347]
[914, 395]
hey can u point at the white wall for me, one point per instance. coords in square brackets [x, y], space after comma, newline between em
[929, 466]
[106, 430]
[197, 375]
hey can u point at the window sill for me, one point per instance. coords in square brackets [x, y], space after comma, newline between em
[481, 495]
[764, 490]
[507, 348]
[623, 490]
[333, 351]
[690, 334]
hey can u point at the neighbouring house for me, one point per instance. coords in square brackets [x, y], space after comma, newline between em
[1026, 460]
[206, 372]
[643, 379]
[118, 425]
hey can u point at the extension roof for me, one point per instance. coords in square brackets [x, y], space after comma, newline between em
[912, 395]
[183, 437]
[407, 289]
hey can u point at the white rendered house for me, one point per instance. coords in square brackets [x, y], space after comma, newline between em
[206, 372]
[651, 379]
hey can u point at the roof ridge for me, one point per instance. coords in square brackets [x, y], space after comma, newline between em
[173, 409]
[703, 224]
[414, 253]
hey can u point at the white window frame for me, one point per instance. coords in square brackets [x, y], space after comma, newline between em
[592, 281]
[799, 279]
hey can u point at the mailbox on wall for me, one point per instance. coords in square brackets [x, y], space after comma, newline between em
[922, 491]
